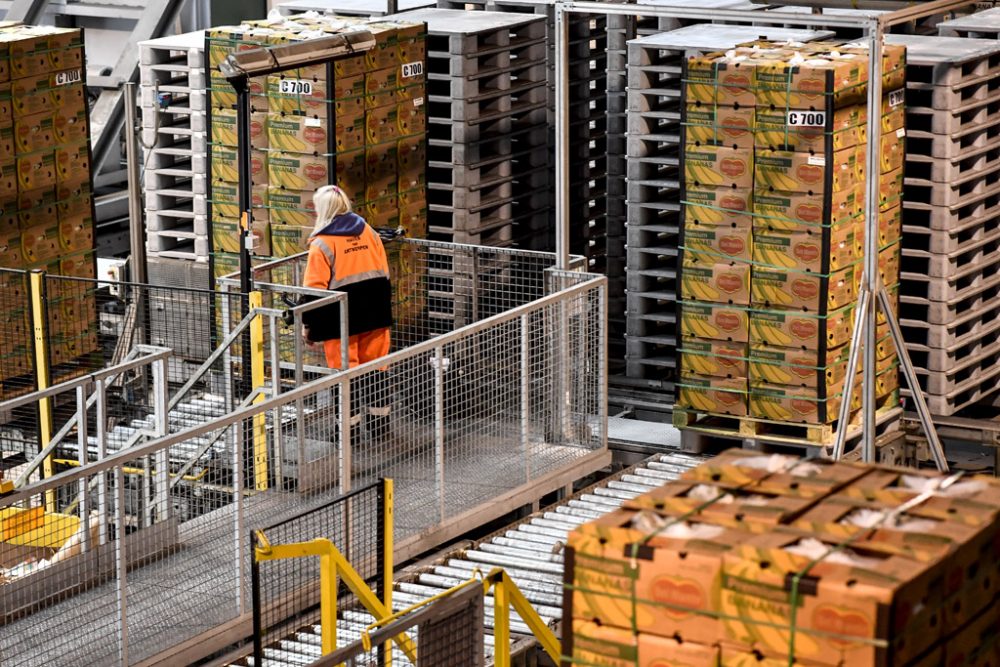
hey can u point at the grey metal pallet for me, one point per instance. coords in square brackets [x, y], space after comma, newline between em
[174, 136]
[984, 24]
[349, 7]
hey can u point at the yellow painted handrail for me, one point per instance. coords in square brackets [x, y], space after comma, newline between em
[506, 594]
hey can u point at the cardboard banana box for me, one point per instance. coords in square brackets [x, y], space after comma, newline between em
[717, 207]
[718, 166]
[225, 131]
[714, 321]
[716, 79]
[843, 607]
[718, 281]
[225, 166]
[226, 202]
[818, 131]
[718, 244]
[291, 207]
[713, 357]
[809, 292]
[796, 367]
[711, 124]
[775, 211]
[594, 644]
[717, 395]
[800, 405]
[296, 171]
[820, 250]
[296, 133]
[627, 577]
[809, 173]
[811, 84]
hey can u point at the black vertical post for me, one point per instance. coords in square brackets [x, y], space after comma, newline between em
[245, 191]
[258, 641]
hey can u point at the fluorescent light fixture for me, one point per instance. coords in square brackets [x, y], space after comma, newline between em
[271, 59]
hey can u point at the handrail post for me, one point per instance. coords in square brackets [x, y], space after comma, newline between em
[162, 425]
[501, 623]
[388, 558]
[259, 431]
[328, 602]
[102, 450]
[439, 427]
[82, 455]
[526, 394]
[279, 449]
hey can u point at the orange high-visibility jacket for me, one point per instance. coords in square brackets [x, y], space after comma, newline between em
[348, 256]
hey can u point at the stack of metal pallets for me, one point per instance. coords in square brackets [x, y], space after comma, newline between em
[486, 111]
[173, 101]
[653, 145]
[950, 290]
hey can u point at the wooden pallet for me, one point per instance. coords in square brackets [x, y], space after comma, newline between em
[703, 432]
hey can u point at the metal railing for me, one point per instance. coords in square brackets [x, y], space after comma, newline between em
[483, 419]
[290, 591]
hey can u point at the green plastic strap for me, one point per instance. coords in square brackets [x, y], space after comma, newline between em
[764, 216]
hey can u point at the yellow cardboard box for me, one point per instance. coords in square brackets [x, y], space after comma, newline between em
[811, 292]
[714, 321]
[809, 131]
[796, 211]
[296, 171]
[809, 331]
[717, 395]
[720, 281]
[817, 250]
[291, 207]
[803, 172]
[713, 357]
[708, 124]
[717, 207]
[718, 166]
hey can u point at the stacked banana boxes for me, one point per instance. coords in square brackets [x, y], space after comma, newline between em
[653, 140]
[772, 560]
[356, 122]
[46, 207]
[773, 236]
[950, 301]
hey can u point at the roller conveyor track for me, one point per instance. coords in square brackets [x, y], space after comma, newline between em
[531, 552]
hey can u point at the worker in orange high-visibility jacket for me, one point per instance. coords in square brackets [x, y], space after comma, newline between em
[347, 255]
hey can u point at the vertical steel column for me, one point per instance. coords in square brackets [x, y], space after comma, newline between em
[439, 427]
[136, 221]
[603, 363]
[872, 279]
[852, 365]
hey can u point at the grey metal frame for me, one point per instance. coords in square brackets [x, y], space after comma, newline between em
[873, 293]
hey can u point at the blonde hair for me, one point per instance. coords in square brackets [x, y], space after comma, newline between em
[330, 201]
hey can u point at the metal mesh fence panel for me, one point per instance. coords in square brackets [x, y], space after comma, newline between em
[446, 633]
[18, 439]
[286, 593]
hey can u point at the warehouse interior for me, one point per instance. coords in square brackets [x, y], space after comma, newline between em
[695, 341]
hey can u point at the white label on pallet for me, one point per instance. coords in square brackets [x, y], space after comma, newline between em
[896, 98]
[900, 133]
[313, 122]
[418, 101]
[817, 160]
[69, 77]
[296, 87]
[807, 118]
[412, 69]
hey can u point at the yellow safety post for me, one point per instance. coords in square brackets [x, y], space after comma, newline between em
[387, 558]
[506, 594]
[36, 288]
[257, 380]
[501, 620]
[333, 565]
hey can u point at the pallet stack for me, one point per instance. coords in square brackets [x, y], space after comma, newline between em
[653, 196]
[773, 235]
[486, 122]
[772, 560]
[46, 206]
[950, 300]
[356, 122]
[173, 101]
